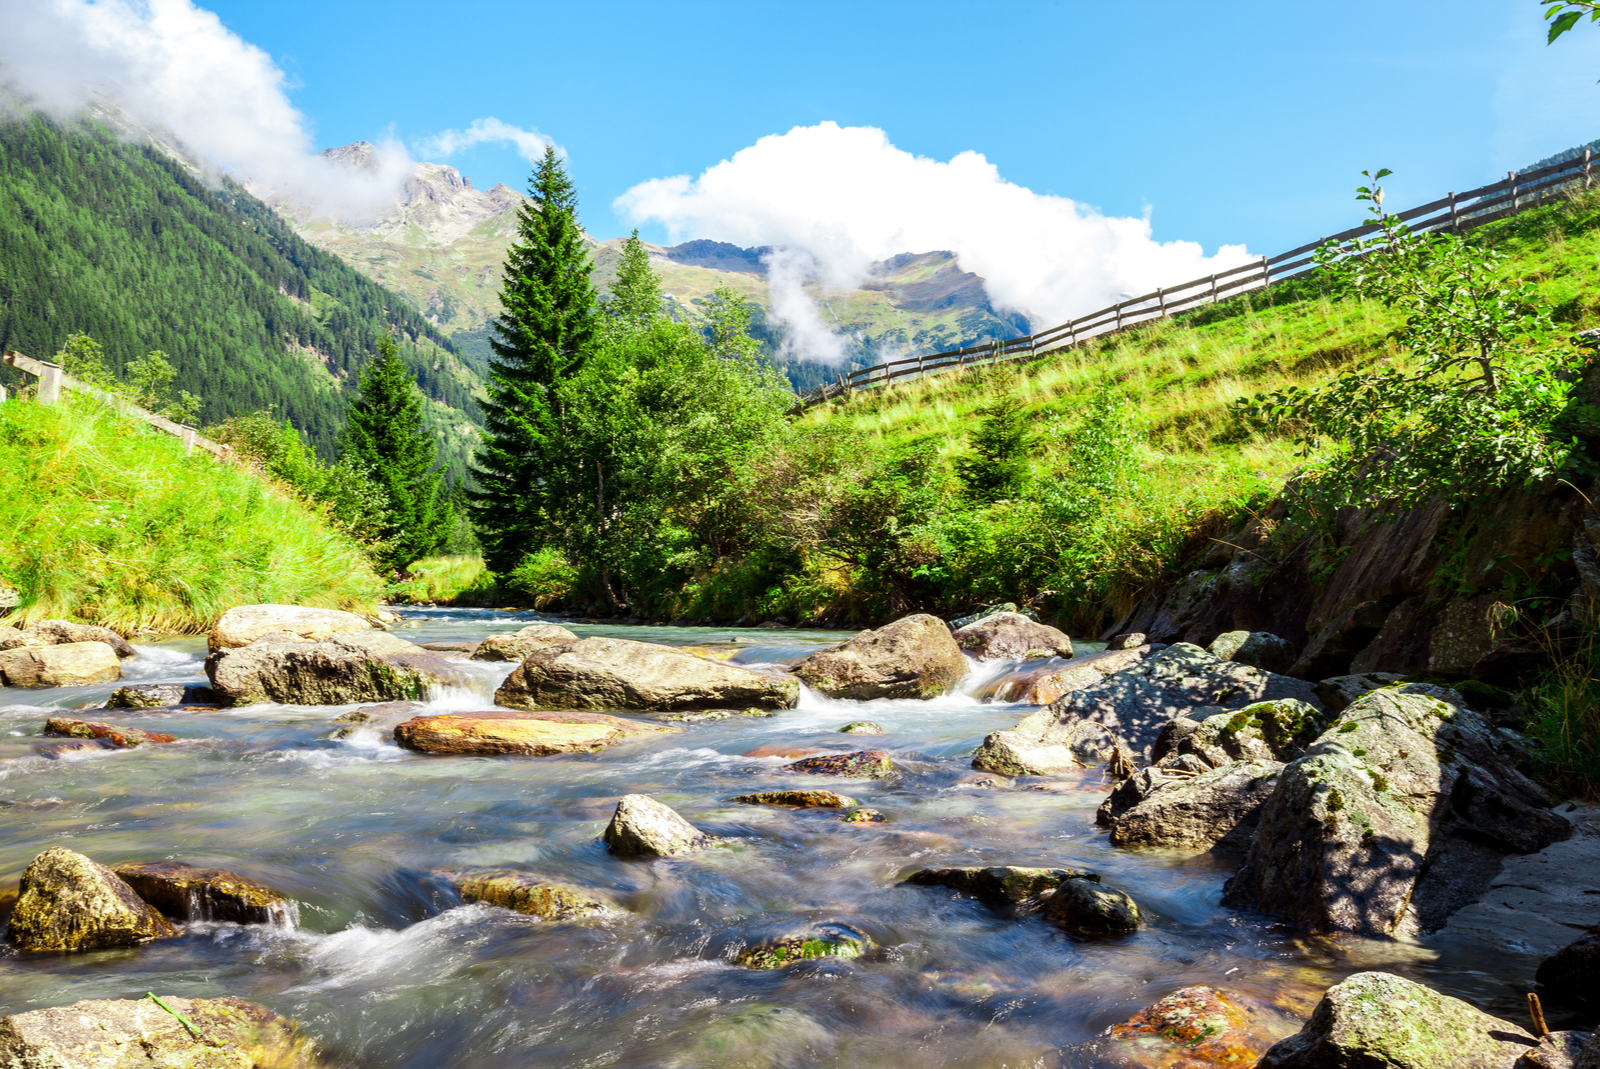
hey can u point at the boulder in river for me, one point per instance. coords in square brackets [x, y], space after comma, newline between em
[863, 764]
[861, 727]
[1043, 685]
[1398, 814]
[159, 696]
[371, 666]
[1190, 1028]
[808, 943]
[1259, 649]
[118, 736]
[1000, 885]
[118, 1033]
[63, 633]
[1379, 1019]
[914, 657]
[1087, 907]
[865, 816]
[797, 799]
[1010, 636]
[518, 645]
[1219, 807]
[69, 902]
[615, 673]
[72, 664]
[533, 895]
[527, 734]
[643, 827]
[187, 893]
[243, 624]
[1130, 707]
[1572, 974]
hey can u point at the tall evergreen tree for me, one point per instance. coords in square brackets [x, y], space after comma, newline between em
[636, 295]
[542, 337]
[387, 436]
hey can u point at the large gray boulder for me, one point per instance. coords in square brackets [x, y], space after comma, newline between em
[244, 624]
[72, 664]
[644, 827]
[1266, 731]
[518, 645]
[1384, 1021]
[614, 673]
[368, 666]
[1218, 808]
[1127, 710]
[915, 657]
[1398, 814]
[68, 902]
[1259, 649]
[62, 633]
[123, 1033]
[1010, 636]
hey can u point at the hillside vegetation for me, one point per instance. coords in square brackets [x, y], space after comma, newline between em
[120, 241]
[105, 519]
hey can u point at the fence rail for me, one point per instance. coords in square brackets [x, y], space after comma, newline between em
[52, 380]
[1454, 211]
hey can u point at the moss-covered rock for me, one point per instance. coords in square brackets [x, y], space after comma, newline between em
[367, 666]
[999, 885]
[756, 1037]
[809, 943]
[1086, 907]
[122, 1033]
[530, 894]
[117, 735]
[863, 764]
[797, 799]
[861, 727]
[186, 893]
[865, 816]
[1266, 731]
[68, 902]
[1379, 1019]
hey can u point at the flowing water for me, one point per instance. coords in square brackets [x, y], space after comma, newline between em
[387, 968]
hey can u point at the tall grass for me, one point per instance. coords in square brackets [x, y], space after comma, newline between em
[1564, 716]
[461, 580]
[106, 520]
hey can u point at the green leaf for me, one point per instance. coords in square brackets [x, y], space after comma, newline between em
[1562, 25]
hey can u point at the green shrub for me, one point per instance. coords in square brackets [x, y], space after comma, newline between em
[543, 578]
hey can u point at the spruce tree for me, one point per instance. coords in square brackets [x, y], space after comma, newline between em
[386, 435]
[636, 295]
[542, 337]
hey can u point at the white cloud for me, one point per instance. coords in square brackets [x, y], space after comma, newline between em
[530, 144]
[846, 196]
[169, 63]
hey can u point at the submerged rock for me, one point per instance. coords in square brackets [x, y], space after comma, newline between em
[914, 657]
[533, 895]
[187, 893]
[1397, 816]
[68, 902]
[371, 666]
[808, 944]
[643, 827]
[159, 696]
[62, 633]
[1000, 885]
[73, 664]
[518, 645]
[863, 764]
[1011, 636]
[120, 1033]
[614, 673]
[1190, 1028]
[1085, 727]
[1086, 907]
[244, 624]
[493, 733]
[756, 1037]
[797, 799]
[1378, 1019]
[861, 727]
[1219, 807]
[117, 736]
[1259, 649]
[865, 816]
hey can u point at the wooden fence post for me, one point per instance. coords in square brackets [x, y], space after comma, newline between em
[1587, 177]
[1213, 289]
[1266, 273]
[1455, 216]
[49, 384]
[1162, 299]
[1511, 180]
[188, 440]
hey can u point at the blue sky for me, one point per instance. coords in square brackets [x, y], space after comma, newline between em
[1232, 122]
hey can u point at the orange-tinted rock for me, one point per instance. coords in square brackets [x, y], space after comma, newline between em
[863, 764]
[526, 734]
[123, 738]
[1193, 1028]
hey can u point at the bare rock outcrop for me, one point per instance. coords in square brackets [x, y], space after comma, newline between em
[914, 657]
[70, 664]
[118, 1033]
[63, 633]
[1217, 808]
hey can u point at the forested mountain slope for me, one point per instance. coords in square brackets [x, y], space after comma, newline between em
[121, 241]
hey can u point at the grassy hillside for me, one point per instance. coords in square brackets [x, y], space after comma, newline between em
[103, 519]
[1134, 458]
[121, 241]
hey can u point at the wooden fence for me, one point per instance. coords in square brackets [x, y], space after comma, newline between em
[1454, 211]
[52, 380]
